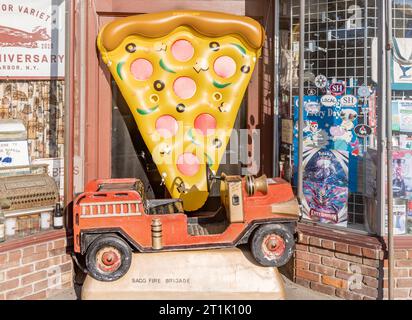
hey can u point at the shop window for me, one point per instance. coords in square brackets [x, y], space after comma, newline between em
[402, 116]
[31, 157]
[340, 104]
[339, 109]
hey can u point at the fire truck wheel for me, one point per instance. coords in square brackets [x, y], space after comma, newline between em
[108, 258]
[272, 245]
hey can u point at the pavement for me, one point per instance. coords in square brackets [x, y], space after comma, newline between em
[298, 292]
[293, 292]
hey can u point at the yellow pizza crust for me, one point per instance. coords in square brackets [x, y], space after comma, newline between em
[157, 25]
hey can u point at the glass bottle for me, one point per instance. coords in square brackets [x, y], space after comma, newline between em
[58, 217]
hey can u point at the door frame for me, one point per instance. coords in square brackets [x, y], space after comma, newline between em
[97, 102]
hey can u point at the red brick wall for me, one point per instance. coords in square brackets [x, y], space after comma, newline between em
[402, 275]
[35, 271]
[338, 269]
[349, 271]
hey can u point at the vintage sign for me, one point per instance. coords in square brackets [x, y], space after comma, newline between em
[32, 39]
[328, 100]
[13, 153]
[337, 88]
[348, 100]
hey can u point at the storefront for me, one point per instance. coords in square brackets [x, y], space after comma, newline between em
[340, 177]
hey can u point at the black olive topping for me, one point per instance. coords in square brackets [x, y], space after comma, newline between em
[215, 46]
[245, 69]
[131, 47]
[180, 107]
[159, 85]
[217, 143]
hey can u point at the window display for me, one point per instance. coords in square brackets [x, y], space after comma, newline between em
[402, 116]
[339, 107]
[29, 192]
[340, 110]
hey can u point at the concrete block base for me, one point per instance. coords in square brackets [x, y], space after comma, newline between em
[207, 274]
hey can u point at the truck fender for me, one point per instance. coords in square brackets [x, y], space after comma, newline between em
[88, 236]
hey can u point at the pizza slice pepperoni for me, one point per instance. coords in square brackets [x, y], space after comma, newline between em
[183, 75]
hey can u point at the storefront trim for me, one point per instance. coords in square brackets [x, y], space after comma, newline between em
[123, 6]
[353, 237]
[341, 235]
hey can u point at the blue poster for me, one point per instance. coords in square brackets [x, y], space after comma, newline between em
[325, 186]
[330, 153]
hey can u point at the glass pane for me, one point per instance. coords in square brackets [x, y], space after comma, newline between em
[402, 117]
[130, 157]
[340, 92]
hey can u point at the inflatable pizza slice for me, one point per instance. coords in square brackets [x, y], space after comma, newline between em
[183, 75]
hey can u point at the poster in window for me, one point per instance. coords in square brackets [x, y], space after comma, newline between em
[402, 174]
[331, 125]
[331, 151]
[325, 186]
[405, 142]
[402, 115]
[401, 63]
[32, 39]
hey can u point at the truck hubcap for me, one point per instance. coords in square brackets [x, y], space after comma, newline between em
[273, 246]
[108, 259]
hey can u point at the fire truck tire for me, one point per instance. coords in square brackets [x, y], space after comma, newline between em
[108, 258]
[272, 245]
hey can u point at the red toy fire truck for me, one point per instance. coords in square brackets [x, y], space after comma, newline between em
[112, 218]
[183, 75]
